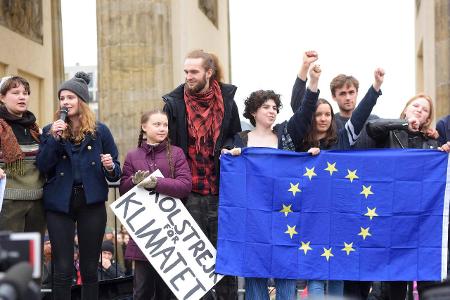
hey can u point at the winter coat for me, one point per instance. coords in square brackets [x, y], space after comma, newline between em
[393, 133]
[151, 158]
[443, 127]
[54, 160]
[175, 108]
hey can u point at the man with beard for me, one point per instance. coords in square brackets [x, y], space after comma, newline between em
[344, 90]
[202, 116]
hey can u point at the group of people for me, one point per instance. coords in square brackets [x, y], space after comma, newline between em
[58, 176]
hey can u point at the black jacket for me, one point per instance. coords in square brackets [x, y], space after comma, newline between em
[394, 134]
[175, 108]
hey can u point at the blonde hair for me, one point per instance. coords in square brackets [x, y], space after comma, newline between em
[427, 124]
[87, 123]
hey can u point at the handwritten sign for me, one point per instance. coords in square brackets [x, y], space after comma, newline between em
[171, 240]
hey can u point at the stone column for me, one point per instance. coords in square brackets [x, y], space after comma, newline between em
[57, 48]
[134, 63]
[442, 52]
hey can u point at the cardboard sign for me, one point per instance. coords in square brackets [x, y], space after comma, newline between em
[170, 239]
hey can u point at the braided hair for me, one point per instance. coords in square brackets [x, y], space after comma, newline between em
[144, 118]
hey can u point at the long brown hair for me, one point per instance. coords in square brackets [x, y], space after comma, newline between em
[427, 124]
[87, 123]
[331, 135]
[144, 118]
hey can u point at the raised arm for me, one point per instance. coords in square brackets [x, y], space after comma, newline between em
[299, 124]
[359, 117]
[379, 129]
[299, 88]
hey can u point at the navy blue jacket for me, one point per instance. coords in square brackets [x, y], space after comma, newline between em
[54, 160]
[443, 127]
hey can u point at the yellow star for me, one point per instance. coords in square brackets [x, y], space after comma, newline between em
[366, 191]
[310, 173]
[364, 232]
[305, 247]
[286, 210]
[371, 213]
[331, 168]
[348, 248]
[351, 175]
[291, 231]
[327, 253]
[294, 189]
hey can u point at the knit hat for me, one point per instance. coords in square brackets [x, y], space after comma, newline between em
[108, 246]
[78, 85]
[109, 230]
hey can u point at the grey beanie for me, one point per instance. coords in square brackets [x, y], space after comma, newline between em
[78, 85]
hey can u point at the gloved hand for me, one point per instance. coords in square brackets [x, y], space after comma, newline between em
[148, 183]
[139, 176]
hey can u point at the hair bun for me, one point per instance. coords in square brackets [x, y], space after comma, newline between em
[83, 76]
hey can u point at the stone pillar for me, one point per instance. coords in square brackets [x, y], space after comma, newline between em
[134, 63]
[57, 48]
[442, 53]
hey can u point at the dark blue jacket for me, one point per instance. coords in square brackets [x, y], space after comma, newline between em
[443, 127]
[54, 160]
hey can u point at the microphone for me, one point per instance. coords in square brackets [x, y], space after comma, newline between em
[63, 111]
[15, 284]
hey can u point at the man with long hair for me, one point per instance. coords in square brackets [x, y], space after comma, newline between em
[202, 115]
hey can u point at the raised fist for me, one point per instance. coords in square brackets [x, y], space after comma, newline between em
[413, 124]
[379, 78]
[315, 72]
[309, 57]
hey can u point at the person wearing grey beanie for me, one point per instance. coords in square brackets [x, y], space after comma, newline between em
[78, 155]
[78, 85]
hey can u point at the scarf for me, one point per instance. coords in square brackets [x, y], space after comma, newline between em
[205, 114]
[9, 146]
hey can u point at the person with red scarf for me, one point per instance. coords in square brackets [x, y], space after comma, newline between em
[202, 115]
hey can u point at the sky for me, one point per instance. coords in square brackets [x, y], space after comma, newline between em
[268, 38]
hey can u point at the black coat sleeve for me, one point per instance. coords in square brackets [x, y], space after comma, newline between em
[379, 129]
[298, 92]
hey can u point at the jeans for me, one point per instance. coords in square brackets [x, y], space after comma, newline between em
[90, 221]
[316, 288]
[256, 289]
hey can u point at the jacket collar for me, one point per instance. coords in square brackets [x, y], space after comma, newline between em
[154, 148]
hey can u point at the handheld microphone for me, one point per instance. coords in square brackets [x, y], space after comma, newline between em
[63, 111]
[14, 284]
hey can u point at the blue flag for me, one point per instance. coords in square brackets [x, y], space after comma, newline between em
[342, 215]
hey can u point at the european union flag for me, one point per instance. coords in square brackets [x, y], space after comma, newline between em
[342, 215]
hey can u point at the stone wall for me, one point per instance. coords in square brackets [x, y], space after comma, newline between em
[134, 63]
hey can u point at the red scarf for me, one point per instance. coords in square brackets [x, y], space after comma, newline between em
[204, 114]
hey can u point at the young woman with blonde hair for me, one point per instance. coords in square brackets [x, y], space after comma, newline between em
[77, 156]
